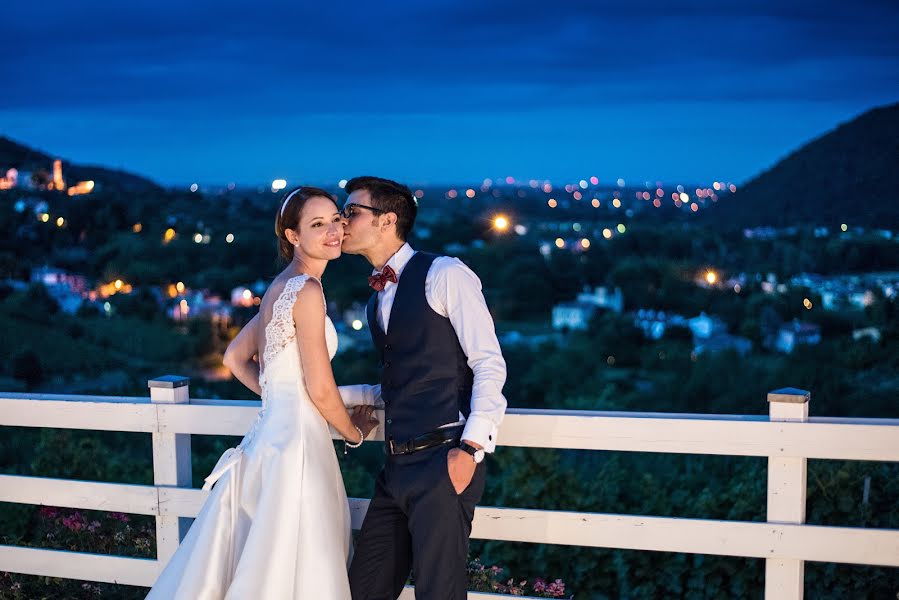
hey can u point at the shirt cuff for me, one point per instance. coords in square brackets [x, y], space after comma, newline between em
[480, 430]
[360, 395]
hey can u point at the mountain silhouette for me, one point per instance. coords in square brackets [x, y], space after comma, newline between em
[23, 158]
[848, 175]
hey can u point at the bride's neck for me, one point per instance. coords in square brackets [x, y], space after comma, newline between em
[304, 265]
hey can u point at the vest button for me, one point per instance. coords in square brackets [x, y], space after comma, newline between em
[388, 347]
[390, 421]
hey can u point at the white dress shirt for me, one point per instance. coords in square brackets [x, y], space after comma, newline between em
[360, 395]
[454, 291]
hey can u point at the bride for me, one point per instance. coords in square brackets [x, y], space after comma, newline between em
[276, 524]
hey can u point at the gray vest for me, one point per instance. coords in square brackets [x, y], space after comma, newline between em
[425, 378]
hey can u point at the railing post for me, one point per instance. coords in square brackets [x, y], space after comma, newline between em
[787, 477]
[171, 463]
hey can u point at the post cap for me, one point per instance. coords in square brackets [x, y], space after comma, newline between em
[791, 395]
[169, 382]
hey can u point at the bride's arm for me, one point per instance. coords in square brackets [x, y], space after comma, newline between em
[239, 356]
[309, 316]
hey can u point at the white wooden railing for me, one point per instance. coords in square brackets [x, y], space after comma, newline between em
[787, 437]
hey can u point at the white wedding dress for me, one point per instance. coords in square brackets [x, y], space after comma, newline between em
[276, 524]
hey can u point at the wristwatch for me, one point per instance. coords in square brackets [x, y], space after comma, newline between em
[476, 453]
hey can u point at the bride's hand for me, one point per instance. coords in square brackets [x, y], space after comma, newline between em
[363, 417]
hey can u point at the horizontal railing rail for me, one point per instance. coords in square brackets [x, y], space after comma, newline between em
[787, 437]
[716, 434]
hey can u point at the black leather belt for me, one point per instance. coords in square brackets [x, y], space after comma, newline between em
[438, 437]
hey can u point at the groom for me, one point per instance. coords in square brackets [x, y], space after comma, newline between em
[442, 375]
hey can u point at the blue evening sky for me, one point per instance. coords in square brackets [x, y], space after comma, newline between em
[440, 91]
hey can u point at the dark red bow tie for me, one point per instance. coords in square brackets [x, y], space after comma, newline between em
[379, 282]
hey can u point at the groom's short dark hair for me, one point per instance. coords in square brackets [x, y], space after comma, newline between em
[389, 196]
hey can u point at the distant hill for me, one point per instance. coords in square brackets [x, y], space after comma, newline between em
[14, 154]
[848, 175]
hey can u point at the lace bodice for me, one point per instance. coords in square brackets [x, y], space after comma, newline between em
[281, 330]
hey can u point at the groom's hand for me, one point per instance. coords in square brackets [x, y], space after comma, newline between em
[364, 418]
[461, 467]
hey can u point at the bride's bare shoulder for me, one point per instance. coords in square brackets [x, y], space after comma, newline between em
[276, 287]
[308, 290]
[311, 294]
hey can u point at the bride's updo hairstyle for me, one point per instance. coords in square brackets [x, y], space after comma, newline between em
[289, 214]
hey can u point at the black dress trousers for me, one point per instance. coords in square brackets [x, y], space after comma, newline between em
[416, 522]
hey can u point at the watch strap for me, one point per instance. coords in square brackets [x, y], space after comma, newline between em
[469, 449]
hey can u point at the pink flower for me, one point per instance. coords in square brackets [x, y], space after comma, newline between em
[539, 585]
[49, 512]
[119, 517]
[556, 588]
[74, 522]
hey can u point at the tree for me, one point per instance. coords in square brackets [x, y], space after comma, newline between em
[36, 302]
[26, 366]
[141, 304]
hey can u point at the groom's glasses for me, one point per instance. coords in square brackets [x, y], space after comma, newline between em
[350, 209]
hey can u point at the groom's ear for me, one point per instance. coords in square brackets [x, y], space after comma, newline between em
[388, 219]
